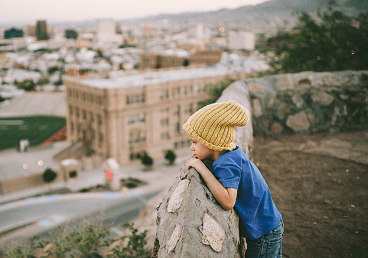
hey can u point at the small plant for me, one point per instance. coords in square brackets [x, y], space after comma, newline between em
[131, 182]
[135, 246]
[147, 160]
[49, 176]
[170, 156]
[84, 243]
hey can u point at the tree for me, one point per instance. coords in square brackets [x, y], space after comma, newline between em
[43, 81]
[52, 70]
[27, 85]
[49, 176]
[13, 33]
[71, 34]
[170, 156]
[335, 42]
[147, 160]
[215, 92]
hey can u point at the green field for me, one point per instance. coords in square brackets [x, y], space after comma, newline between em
[36, 129]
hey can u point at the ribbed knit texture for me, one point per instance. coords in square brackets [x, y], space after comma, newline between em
[213, 125]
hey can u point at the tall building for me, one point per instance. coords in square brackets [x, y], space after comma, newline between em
[41, 30]
[196, 31]
[106, 32]
[30, 30]
[241, 40]
[127, 116]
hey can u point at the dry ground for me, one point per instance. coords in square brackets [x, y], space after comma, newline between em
[323, 199]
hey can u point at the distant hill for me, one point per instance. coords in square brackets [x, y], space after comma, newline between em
[264, 13]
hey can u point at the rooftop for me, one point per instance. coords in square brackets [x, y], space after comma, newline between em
[156, 77]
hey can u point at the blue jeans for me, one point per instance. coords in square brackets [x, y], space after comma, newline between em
[268, 245]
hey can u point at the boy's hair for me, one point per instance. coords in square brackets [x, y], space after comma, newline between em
[213, 125]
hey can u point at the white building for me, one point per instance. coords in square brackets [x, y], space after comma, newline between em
[196, 31]
[241, 40]
[21, 75]
[106, 32]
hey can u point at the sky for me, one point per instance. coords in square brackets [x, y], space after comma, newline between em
[57, 10]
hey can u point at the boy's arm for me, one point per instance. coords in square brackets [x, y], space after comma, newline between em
[225, 196]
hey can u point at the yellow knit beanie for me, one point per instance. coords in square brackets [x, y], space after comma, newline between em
[213, 125]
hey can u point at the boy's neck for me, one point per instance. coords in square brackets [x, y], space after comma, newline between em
[217, 154]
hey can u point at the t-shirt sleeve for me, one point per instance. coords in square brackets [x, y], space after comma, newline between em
[228, 175]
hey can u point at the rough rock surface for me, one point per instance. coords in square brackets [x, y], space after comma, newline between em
[332, 101]
[199, 227]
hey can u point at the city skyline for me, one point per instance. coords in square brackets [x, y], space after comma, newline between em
[69, 10]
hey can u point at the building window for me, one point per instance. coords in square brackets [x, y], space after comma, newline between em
[164, 110]
[99, 100]
[101, 138]
[99, 117]
[92, 98]
[77, 111]
[164, 122]
[93, 134]
[177, 128]
[78, 130]
[70, 110]
[137, 118]
[92, 117]
[84, 96]
[135, 99]
[164, 94]
[143, 136]
[165, 136]
[137, 137]
[84, 134]
[72, 127]
[84, 115]
[72, 174]
[178, 92]
[177, 112]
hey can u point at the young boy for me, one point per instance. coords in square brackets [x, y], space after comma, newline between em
[234, 180]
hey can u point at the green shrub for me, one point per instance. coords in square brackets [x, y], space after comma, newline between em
[170, 156]
[85, 243]
[147, 160]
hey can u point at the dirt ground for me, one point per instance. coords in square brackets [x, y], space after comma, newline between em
[323, 198]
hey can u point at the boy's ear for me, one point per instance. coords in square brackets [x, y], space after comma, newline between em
[208, 163]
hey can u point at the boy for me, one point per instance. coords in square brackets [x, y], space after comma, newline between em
[234, 180]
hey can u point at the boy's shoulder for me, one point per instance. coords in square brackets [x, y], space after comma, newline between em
[235, 156]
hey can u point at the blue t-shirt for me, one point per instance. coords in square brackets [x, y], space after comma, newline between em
[254, 205]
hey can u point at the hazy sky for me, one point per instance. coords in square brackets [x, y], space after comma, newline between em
[31, 10]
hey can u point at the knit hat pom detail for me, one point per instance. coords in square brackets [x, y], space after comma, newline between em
[213, 125]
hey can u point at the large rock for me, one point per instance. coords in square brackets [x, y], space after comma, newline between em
[190, 223]
[298, 122]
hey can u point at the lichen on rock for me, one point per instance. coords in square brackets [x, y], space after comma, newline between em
[213, 234]
[177, 197]
[175, 236]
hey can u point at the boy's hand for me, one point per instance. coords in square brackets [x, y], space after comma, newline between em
[194, 162]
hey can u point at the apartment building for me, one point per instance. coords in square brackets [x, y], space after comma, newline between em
[156, 61]
[127, 116]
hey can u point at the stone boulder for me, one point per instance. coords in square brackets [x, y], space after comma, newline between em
[190, 222]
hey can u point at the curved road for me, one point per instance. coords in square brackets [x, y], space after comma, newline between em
[41, 215]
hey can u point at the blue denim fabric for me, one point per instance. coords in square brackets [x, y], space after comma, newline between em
[267, 246]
